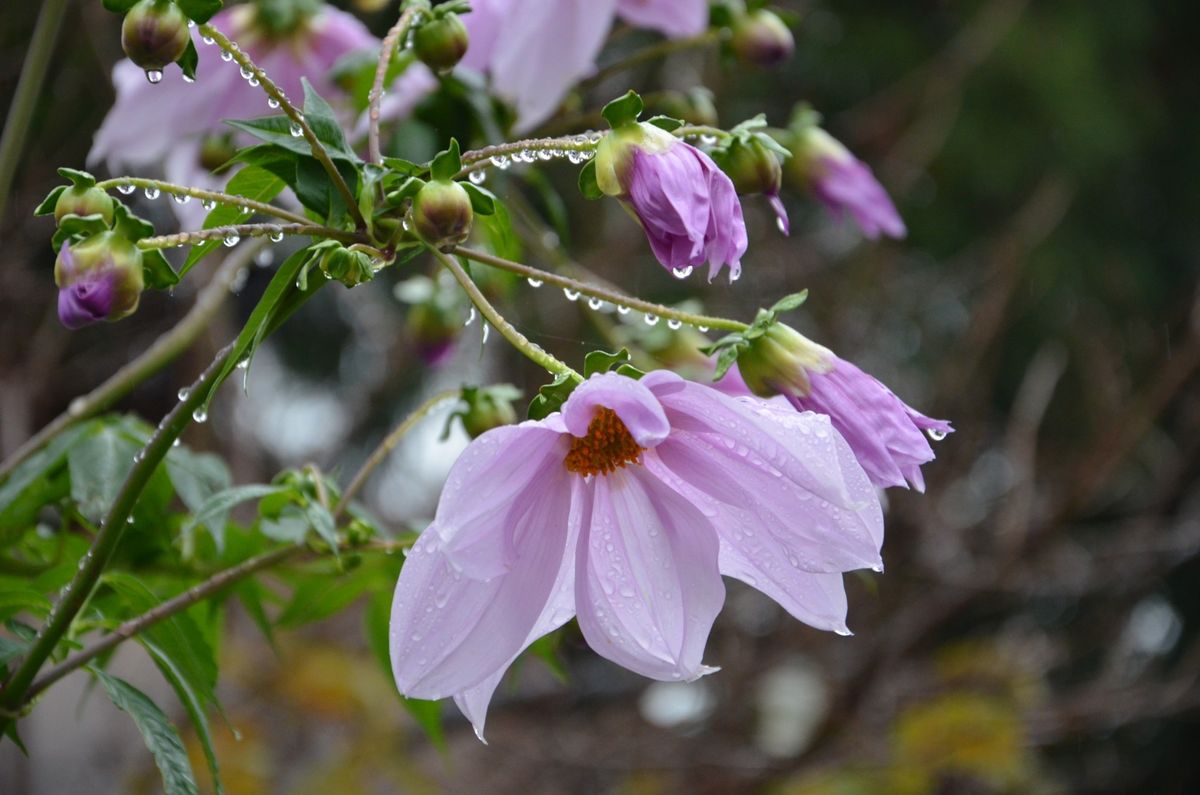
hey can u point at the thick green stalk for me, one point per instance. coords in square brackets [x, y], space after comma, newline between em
[33, 76]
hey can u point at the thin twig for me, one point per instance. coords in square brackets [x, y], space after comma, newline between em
[204, 195]
[237, 231]
[390, 42]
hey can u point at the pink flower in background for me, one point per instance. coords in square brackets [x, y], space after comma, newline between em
[167, 123]
[534, 50]
[685, 203]
[674, 18]
[845, 184]
[624, 510]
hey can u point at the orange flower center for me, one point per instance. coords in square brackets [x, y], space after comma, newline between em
[608, 446]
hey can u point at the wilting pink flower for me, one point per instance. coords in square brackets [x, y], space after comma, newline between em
[887, 435]
[624, 510]
[534, 50]
[167, 123]
[686, 204]
[675, 18]
[845, 184]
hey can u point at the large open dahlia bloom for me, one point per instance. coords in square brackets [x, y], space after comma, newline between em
[624, 510]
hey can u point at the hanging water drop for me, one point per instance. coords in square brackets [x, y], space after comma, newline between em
[595, 303]
[702, 329]
[295, 129]
[189, 79]
[272, 103]
[500, 162]
[477, 177]
[535, 283]
[181, 198]
[651, 320]
[231, 240]
[209, 40]
[674, 324]
[126, 189]
[486, 331]
[682, 273]
[545, 154]
[200, 416]
[247, 73]
[470, 317]
[155, 76]
[152, 193]
[937, 434]
[276, 237]
[244, 363]
[622, 309]
[226, 56]
[175, 443]
[208, 204]
[183, 393]
[252, 82]
[572, 295]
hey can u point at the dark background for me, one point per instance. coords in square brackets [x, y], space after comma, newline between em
[1036, 628]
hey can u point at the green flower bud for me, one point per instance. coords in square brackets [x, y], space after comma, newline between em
[77, 200]
[753, 167]
[441, 214]
[349, 267]
[432, 330]
[780, 360]
[98, 279]
[154, 34]
[441, 43]
[488, 408]
[762, 38]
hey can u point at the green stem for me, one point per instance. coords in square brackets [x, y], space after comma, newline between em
[532, 351]
[92, 565]
[246, 230]
[165, 349]
[703, 322]
[564, 146]
[394, 37]
[276, 93]
[204, 195]
[33, 76]
[700, 130]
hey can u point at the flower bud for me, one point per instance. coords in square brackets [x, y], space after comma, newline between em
[780, 360]
[154, 34]
[441, 43]
[349, 267]
[433, 331]
[752, 167]
[442, 214]
[761, 38]
[78, 200]
[488, 408]
[98, 279]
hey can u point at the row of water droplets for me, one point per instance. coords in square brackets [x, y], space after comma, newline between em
[152, 192]
[601, 305]
[252, 80]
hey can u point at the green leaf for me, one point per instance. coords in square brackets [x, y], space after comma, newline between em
[276, 130]
[725, 360]
[221, 503]
[199, 10]
[160, 735]
[602, 361]
[550, 397]
[189, 60]
[401, 166]
[318, 597]
[28, 487]
[483, 201]
[789, 302]
[129, 226]
[99, 464]
[196, 478]
[157, 272]
[250, 594]
[48, 203]
[447, 163]
[290, 525]
[588, 185]
[322, 522]
[10, 650]
[17, 600]
[623, 110]
[252, 182]
[324, 124]
[498, 229]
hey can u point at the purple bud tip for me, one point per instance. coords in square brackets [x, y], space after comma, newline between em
[84, 302]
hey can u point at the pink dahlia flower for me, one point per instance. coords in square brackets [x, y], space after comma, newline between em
[624, 510]
[685, 203]
[845, 184]
[167, 123]
[888, 436]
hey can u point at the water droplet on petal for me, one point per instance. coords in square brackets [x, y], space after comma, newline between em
[155, 76]
[937, 434]
[209, 40]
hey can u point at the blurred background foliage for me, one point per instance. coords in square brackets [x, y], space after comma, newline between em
[1036, 629]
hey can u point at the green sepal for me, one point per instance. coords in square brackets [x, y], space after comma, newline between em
[74, 228]
[603, 361]
[447, 163]
[668, 123]
[48, 203]
[157, 271]
[80, 179]
[623, 110]
[588, 185]
[189, 60]
[729, 347]
[119, 6]
[483, 201]
[550, 397]
[409, 188]
[200, 11]
[404, 167]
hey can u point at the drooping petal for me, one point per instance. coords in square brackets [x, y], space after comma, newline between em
[637, 408]
[473, 702]
[846, 184]
[818, 600]
[647, 582]
[490, 485]
[674, 18]
[450, 632]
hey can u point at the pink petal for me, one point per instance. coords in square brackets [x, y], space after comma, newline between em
[489, 487]
[818, 600]
[674, 18]
[647, 586]
[450, 632]
[632, 402]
